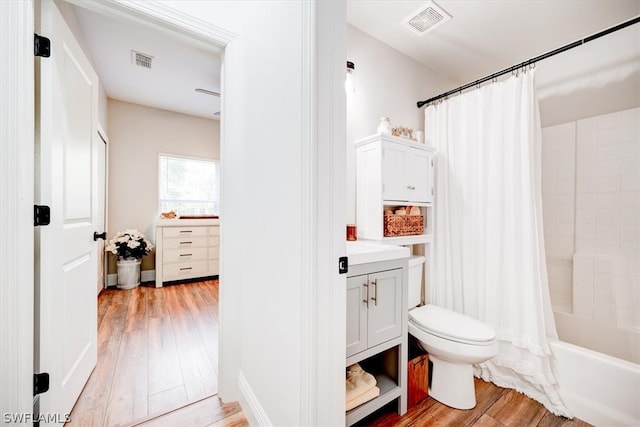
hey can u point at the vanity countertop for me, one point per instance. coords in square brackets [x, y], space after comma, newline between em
[365, 251]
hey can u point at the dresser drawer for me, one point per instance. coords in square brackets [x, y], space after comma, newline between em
[184, 231]
[186, 254]
[214, 252]
[185, 269]
[185, 242]
[214, 267]
[214, 230]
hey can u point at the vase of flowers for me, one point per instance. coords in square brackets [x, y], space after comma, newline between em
[129, 246]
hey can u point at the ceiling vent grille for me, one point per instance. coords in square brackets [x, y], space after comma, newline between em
[427, 18]
[141, 59]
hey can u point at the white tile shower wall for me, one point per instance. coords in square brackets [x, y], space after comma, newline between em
[606, 273]
[559, 206]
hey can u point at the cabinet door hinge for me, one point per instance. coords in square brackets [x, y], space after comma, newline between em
[41, 215]
[41, 46]
[432, 191]
[40, 383]
[431, 162]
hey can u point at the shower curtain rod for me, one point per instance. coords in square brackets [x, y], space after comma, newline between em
[533, 60]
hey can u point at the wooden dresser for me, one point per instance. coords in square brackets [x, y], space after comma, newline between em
[187, 249]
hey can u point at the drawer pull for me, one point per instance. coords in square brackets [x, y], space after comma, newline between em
[186, 268]
[366, 300]
[186, 254]
[186, 243]
[186, 231]
[374, 298]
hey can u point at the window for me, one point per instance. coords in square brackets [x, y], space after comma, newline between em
[188, 185]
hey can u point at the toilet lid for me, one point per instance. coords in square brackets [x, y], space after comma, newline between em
[451, 325]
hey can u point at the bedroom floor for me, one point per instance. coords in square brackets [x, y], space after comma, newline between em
[157, 351]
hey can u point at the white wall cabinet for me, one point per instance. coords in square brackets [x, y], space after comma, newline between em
[187, 249]
[390, 172]
[377, 331]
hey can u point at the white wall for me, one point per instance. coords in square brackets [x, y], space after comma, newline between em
[599, 77]
[137, 134]
[591, 203]
[387, 84]
[558, 202]
[267, 208]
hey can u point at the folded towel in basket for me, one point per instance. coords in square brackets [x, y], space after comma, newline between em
[358, 382]
[363, 398]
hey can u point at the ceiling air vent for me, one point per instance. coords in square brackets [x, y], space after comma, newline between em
[141, 59]
[426, 18]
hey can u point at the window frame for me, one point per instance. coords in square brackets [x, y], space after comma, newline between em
[215, 161]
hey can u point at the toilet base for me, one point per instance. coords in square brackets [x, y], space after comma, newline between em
[452, 383]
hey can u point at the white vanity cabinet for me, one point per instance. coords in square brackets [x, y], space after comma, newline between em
[377, 330]
[392, 172]
[187, 249]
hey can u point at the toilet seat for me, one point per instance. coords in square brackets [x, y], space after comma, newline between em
[449, 325]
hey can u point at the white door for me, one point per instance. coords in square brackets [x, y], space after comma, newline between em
[66, 261]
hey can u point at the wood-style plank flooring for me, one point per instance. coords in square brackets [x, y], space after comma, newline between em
[157, 351]
[495, 407]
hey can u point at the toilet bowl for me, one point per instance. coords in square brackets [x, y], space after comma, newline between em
[454, 342]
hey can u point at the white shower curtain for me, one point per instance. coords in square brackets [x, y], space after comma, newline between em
[489, 259]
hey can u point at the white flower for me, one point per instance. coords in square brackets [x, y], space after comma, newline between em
[133, 244]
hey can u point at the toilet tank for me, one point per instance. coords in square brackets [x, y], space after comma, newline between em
[415, 281]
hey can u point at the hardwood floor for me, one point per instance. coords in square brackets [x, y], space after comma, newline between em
[157, 351]
[157, 366]
[496, 407]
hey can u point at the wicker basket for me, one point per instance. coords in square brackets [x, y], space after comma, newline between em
[403, 225]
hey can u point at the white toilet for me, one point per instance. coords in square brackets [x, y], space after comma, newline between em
[454, 342]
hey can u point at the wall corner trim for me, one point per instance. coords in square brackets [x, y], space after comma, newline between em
[251, 405]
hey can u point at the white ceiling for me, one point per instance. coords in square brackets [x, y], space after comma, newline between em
[481, 38]
[178, 67]
[487, 36]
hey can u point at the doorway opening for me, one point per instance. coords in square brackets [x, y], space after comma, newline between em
[157, 348]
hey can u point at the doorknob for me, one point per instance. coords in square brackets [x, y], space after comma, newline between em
[97, 235]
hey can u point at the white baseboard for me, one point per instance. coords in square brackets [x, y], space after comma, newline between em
[145, 276]
[255, 413]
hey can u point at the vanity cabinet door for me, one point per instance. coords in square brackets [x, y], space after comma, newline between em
[356, 314]
[385, 306]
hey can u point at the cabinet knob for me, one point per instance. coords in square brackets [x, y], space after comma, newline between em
[411, 187]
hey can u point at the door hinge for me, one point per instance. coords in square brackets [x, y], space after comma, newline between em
[431, 162]
[40, 383]
[41, 46]
[432, 191]
[343, 265]
[41, 215]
